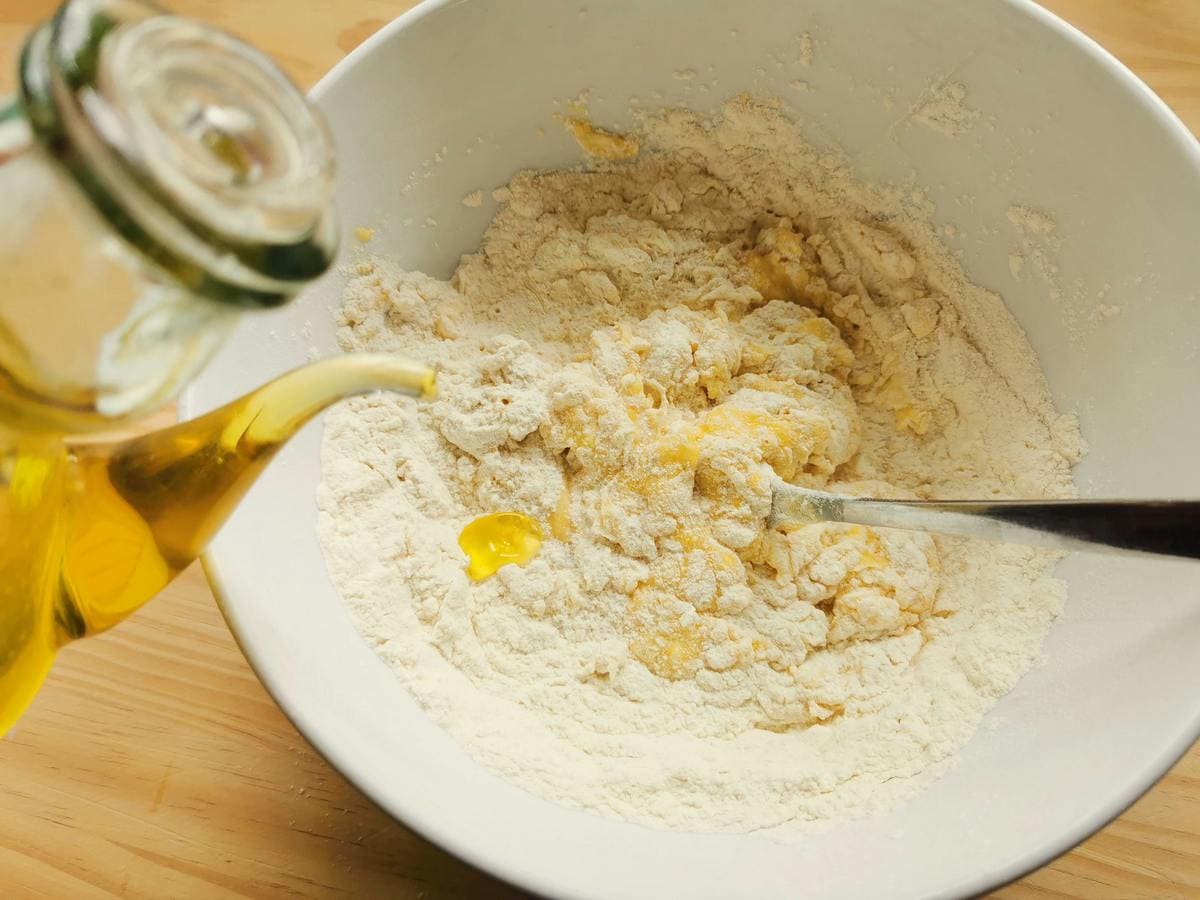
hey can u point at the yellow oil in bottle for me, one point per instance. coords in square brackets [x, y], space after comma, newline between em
[76, 558]
[499, 539]
[89, 533]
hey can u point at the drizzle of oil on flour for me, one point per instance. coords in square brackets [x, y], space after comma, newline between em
[634, 353]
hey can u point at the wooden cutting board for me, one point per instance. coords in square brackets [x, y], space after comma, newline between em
[155, 765]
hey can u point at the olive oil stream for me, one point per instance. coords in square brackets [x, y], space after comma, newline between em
[89, 533]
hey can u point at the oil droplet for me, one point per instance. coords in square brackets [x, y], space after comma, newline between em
[560, 519]
[498, 539]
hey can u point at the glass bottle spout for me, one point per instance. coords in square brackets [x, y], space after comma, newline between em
[107, 526]
[176, 486]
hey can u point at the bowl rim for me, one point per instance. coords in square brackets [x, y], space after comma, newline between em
[330, 747]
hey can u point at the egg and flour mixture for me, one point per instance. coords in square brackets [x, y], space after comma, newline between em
[635, 354]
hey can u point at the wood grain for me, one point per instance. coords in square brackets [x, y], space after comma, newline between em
[155, 765]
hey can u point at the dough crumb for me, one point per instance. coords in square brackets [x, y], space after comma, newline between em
[602, 144]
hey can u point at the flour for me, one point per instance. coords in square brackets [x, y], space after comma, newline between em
[1039, 246]
[807, 46]
[1032, 221]
[633, 355]
[943, 108]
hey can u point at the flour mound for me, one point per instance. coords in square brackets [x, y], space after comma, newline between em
[636, 353]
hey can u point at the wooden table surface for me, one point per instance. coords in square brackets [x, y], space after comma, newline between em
[155, 765]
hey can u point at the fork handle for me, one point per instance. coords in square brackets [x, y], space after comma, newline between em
[1164, 527]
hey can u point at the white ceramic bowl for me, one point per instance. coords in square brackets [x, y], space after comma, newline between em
[1063, 127]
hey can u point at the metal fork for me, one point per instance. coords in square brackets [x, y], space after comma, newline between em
[1164, 527]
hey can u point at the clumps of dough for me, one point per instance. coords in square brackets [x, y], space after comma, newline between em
[673, 431]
